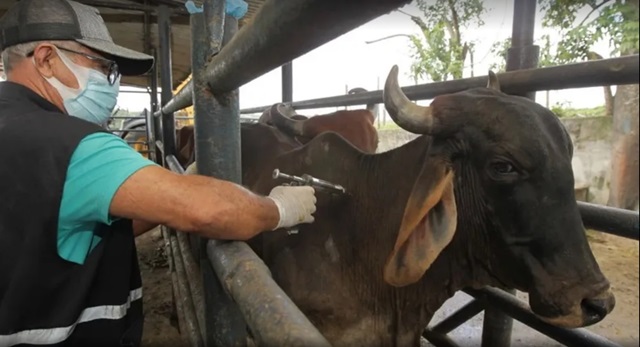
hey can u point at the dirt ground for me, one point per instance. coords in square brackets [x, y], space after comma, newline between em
[160, 325]
[617, 256]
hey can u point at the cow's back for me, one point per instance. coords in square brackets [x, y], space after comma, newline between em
[356, 126]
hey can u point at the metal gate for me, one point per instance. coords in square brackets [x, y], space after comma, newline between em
[213, 279]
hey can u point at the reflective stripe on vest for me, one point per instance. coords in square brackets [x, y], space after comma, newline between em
[57, 335]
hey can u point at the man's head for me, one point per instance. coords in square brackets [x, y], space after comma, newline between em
[63, 51]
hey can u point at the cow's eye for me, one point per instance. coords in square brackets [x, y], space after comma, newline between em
[503, 168]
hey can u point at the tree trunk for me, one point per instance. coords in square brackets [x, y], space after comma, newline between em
[608, 101]
[623, 190]
[608, 94]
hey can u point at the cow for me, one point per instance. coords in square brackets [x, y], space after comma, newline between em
[483, 197]
[265, 117]
[185, 145]
[267, 139]
[355, 125]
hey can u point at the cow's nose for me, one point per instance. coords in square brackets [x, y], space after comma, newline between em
[596, 308]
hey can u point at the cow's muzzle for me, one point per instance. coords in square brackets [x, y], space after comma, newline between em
[585, 311]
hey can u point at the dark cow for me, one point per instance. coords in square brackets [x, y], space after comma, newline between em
[357, 126]
[185, 145]
[483, 197]
[265, 117]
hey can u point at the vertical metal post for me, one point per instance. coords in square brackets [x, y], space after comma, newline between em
[156, 122]
[168, 120]
[151, 138]
[287, 82]
[377, 109]
[217, 147]
[523, 54]
[149, 120]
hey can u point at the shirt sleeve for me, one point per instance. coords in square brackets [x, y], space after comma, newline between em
[99, 165]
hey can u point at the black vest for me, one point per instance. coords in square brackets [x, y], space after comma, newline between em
[44, 298]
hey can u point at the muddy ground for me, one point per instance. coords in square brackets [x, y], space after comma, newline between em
[618, 258]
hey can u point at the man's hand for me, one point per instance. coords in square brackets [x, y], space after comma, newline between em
[295, 204]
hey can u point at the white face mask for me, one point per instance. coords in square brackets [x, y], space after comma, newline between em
[95, 98]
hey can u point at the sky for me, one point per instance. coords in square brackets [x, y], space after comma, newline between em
[349, 61]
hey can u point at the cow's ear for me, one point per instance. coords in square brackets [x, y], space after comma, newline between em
[427, 227]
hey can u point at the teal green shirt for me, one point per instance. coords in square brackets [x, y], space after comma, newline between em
[99, 165]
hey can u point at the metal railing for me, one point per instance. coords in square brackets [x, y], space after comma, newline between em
[523, 81]
[610, 220]
[280, 32]
[283, 30]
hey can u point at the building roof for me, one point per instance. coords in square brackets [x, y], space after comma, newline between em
[125, 20]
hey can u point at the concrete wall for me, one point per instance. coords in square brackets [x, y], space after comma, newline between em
[591, 138]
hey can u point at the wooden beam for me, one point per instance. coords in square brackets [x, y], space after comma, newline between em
[133, 18]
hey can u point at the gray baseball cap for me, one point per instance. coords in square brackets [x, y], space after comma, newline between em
[36, 20]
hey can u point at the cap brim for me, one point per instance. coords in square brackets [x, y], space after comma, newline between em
[130, 62]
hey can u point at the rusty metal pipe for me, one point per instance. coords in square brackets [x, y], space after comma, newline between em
[184, 297]
[605, 72]
[273, 318]
[519, 310]
[191, 297]
[166, 79]
[280, 32]
[217, 150]
[174, 277]
[194, 280]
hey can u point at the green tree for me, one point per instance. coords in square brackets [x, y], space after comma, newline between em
[440, 51]
[499, 49]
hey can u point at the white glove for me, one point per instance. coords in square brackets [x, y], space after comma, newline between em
[296, 204]
[191, 169]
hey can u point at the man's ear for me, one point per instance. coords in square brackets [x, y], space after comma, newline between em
[42, 57]
[428, 224]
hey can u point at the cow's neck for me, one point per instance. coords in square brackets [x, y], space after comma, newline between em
[461, 264]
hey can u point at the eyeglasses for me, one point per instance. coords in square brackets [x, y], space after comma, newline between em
[109, 65]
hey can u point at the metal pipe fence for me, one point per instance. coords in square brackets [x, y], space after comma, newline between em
[280, 32]
[228, 303]
[217, 146]
[596, 73]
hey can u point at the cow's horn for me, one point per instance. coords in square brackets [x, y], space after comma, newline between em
[493, 82]
[281, 118]
[409, 116]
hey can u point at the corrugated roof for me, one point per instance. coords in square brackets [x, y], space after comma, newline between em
[125, 20]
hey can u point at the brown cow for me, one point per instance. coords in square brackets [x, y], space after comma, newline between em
[289, 129]
[260, 144]
[483, 197]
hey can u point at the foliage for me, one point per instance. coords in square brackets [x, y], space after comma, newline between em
[616, 20]
[546, 57]
[580, 24]
[440, 52]
[564, 110]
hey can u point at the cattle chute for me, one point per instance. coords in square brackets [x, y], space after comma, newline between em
[248, 55]
[522, 78]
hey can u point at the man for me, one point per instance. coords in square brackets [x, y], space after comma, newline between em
[73, 195]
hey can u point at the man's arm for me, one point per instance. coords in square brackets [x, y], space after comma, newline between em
[213, 208]
[110, 179]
